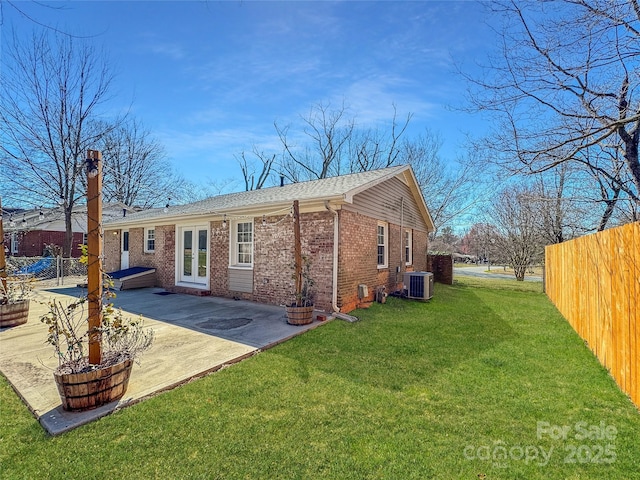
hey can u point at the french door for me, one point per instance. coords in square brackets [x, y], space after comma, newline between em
[193, 255]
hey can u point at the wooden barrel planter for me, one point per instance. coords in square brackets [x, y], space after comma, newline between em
[299, 315]
[84, 391]
[13, 314]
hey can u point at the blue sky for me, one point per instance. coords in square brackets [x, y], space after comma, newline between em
[210, 78]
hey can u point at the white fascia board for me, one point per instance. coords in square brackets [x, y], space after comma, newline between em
[422, 205]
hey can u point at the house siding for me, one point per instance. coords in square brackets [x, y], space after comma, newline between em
[274, 253]
[112, 250]
[390, 201]
[270, 278]
[358, 258]
[219, 259]
[162, 259]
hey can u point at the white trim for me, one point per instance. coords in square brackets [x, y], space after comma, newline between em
[15, 243]
[233, 244]
[384, 225]
[179, 236]
[124, 254]
[146, 248]
[409, 246]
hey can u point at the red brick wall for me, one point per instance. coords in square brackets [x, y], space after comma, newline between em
[137, 257]
[273, 257]
[111, 250]
[163, 259]
[442, 268]
[164, 256]
[32, 243]
[219, 259]
[358, 262]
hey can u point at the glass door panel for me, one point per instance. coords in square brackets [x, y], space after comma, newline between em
[202, 253]
[187, 254]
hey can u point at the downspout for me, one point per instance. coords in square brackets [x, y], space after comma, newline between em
[336, 235]
[334, 291]
[402, 262]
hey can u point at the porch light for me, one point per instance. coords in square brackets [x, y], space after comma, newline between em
[92, 167]
[224, 221]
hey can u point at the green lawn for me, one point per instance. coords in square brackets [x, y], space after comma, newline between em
[483, 379]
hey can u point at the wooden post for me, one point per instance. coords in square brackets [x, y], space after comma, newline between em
[3, 260]
[297, 251]
[94, 250]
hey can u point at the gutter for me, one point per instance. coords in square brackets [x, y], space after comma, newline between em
[334, 289]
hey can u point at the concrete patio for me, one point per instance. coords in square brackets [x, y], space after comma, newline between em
[193, 336]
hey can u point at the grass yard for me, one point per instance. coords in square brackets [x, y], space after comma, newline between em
[485, 379]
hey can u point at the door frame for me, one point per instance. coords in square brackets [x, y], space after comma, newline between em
[124, 233]
[195, 228]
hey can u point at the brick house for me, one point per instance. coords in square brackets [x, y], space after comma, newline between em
[30, 233]
[359, 229]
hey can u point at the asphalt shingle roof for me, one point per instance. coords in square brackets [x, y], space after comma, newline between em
[339, 186]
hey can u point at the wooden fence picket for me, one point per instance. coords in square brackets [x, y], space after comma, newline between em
[594, 281]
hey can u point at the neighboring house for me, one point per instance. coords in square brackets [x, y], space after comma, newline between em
[28, 233]
[360, 229]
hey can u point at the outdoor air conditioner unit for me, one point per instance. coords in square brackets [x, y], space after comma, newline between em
[419, 285]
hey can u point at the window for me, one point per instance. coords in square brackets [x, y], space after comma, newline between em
[14, 243]
[243, 244]
[383, 238]
[85, 239]
[408, 247]
[149, 240]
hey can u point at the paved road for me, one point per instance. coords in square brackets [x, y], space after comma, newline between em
[479, 271]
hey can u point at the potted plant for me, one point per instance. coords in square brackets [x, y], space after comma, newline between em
[83, 385]
[300, 312]
[14, 300]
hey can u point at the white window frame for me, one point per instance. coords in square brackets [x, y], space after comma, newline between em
[235, 244]
[408, 246]
[147, 232]
[14, 243]
[385, 244]
[85, 239]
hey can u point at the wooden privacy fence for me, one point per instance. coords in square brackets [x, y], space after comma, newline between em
[595, 283]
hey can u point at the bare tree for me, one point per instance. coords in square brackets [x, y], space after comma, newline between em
[51, 91]
[372, 149]
[564, 84]
[326, 132]
[448, 189]
[519, 239]
[248, 168]
[331, 144]
[136, 170]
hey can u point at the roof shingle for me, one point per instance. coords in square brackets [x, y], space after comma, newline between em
[327, 188]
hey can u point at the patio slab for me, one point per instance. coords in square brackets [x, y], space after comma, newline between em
[193, 336]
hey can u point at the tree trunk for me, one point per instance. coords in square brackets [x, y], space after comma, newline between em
[519, 271]
[68, 234]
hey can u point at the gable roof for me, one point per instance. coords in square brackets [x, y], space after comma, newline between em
[340, 189]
